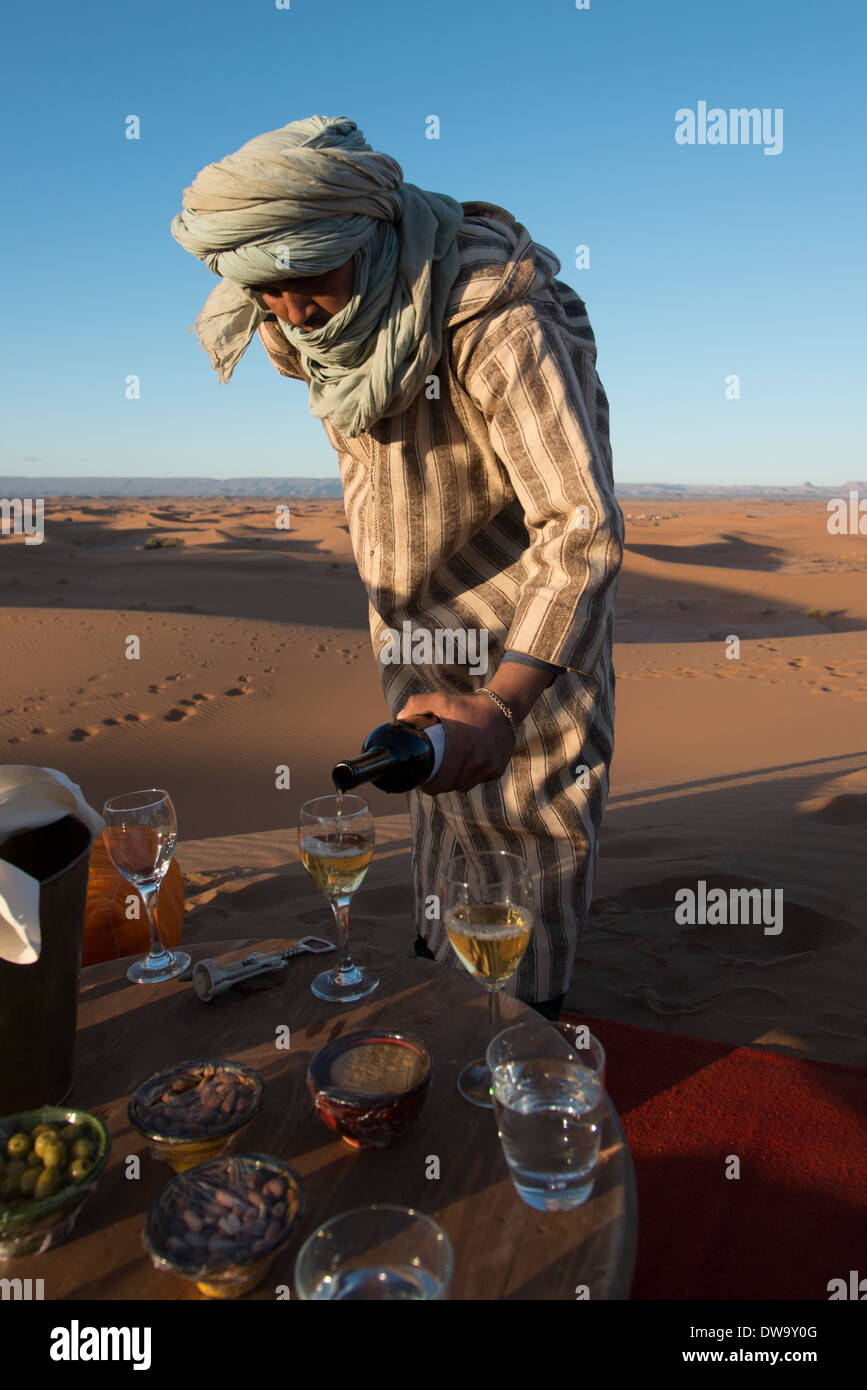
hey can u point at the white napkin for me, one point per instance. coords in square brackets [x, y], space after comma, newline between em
[31, 797]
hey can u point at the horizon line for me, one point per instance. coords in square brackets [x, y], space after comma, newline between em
[324, 478]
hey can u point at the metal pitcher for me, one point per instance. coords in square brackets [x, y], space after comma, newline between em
[39, 1002]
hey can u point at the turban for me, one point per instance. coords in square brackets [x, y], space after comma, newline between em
[300, 201]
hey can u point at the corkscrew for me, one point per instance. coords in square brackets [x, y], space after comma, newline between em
[210, 978]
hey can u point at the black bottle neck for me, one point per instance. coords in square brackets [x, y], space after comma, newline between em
[353, 771]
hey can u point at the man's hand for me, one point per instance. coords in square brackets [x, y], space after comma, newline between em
[479, 739]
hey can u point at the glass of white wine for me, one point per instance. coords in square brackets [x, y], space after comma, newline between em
[140, 833]
[488, 917]
[336, 841]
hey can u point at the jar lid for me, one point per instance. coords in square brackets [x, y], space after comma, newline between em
[371, 1063]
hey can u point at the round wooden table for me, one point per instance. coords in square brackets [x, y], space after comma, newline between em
[503, 1249]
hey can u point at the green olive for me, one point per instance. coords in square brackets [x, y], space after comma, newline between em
[83, 1148]
[54, 1155]
[78, 1168]
[19, 1145]
[44, 1141]
[33, 1159]
[27, 1182]
[15, 1168]
[69, 1134]
[44, 1129]
[48, 1182]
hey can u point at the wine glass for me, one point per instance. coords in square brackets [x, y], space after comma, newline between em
[488, 917]
[140, 832]
[336, 841]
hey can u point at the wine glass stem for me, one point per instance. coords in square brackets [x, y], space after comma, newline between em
[493, 1014]
[149, 898]
[340, 908]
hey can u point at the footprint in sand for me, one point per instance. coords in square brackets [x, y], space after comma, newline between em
[175, 714]
[239, 690]
[156, 688]
[134, 718]
[38, 731]
[202, 696]
[78, 735]
[178, 676]
[111, 722]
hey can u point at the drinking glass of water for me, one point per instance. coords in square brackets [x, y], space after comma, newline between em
[381, 1253]
[549, 1100]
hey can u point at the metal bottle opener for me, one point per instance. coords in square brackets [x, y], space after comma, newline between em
[210, 978]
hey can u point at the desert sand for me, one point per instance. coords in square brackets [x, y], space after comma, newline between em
[747, 770]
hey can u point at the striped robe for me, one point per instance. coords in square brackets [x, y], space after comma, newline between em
[488, 504]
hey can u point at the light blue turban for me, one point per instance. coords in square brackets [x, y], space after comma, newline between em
[297, 202]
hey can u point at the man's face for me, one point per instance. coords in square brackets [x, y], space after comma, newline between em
[309, 302]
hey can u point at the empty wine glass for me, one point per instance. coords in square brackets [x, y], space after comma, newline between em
[336, 841]
[141, 829]
[488, 917]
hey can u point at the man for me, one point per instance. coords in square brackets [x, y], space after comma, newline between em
[455, 377]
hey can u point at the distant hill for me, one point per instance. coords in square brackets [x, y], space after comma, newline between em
[686, 492]
[331, 487]
[170, 487]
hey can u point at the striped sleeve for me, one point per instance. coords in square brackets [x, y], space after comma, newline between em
[538, 390]
[286, 358]
[521, 659]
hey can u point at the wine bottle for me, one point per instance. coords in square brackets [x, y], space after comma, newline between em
[395, 757]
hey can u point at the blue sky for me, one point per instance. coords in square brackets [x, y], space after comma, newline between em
[705, 261]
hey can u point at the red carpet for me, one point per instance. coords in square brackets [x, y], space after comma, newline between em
[797, 1216]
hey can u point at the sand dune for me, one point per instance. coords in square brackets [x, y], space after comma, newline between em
[745, 770]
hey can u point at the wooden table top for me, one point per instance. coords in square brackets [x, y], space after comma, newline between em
[503, 1249]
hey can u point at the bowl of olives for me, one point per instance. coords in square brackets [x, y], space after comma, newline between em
[50, 1162]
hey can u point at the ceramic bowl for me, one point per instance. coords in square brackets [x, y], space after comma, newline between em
[221, 1224]
[186, 1129]
[29, 1225]
[370, 1086]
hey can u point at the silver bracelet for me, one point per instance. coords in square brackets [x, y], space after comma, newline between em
[502, 706]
